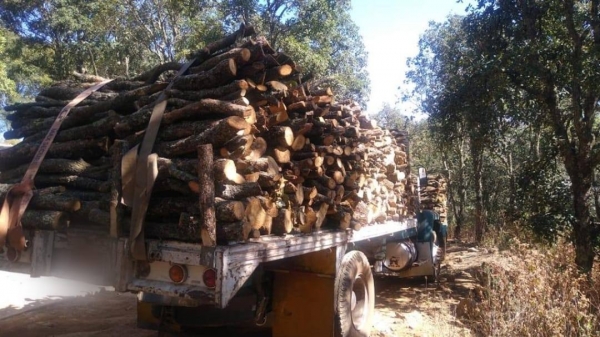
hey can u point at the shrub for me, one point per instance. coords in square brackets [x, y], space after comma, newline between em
[534, 292]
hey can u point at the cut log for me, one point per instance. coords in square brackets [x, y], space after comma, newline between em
[298, 143]
[45, 220]
[153, 74]
[208, 107]
[268, 181]
[257, 149]
[229, 211]
[251, 70]
[184, 129]
[240, 55]
[281, 155]
[204, 54]
[198, 94]
[239, 142]
[62, 166]
[217, 135]
[264, 164]
[72, 181]
[217, 76]
[84, 115]
[321, 215]
[208, 221]
[282, 223]
[238, 192]
[99, 128]
[279, 72]
[310, 220]
[225, 170]
[228, 233]
[23, 152]
[54, 202]
[280, 135]
[255, 214]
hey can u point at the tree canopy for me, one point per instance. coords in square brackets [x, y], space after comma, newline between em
[518, 82]
[115, 38]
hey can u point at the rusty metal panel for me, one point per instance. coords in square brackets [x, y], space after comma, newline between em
[200, 294]
[181, 252]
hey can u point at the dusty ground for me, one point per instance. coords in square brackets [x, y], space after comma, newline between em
[46, 307]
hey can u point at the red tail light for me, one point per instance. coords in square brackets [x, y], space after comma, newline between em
[210, 278]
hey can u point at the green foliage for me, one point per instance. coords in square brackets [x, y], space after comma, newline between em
[319, 34]
[517, 82]
[49, 39]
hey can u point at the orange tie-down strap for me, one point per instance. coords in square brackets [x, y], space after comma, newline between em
[18, 197]
[139, 171]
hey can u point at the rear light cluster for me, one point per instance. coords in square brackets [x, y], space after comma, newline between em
[178, 274]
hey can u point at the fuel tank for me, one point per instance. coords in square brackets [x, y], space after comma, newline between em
[399, 255]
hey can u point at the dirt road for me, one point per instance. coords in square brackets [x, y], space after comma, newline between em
[403, 307]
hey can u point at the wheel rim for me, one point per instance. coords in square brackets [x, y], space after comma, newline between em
[359, 302]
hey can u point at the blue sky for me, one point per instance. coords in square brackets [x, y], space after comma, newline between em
[391, 29]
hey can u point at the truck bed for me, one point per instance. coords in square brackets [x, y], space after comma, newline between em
[235, 263]
[80, 251]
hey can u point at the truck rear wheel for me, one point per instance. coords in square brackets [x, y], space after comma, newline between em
[354, 296]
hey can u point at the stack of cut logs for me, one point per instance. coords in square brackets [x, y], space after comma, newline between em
[433, 196]
[287, 158]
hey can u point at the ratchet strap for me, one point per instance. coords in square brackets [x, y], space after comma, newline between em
[139, 170]
[18, 197]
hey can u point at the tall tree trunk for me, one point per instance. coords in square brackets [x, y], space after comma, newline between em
[583, 228]
[477, 158]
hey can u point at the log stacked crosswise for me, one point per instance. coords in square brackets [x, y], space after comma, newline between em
[434, 195]
[287, 157]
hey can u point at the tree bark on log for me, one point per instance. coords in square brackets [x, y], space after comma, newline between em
[264, 164]
[184, 129]
[221, 74]
[280, 135]
[203, 54]
[238, 192]
[99, 128]
[77, 182]
[53, 202]
[153, 74]
[23, 152]
[230, 232]
[218, 135]
[38, 127]
[240, 55]
[208, 221]
[215, 93]
[229, 211]
[59, 166]
[45, 220]
[207, 106]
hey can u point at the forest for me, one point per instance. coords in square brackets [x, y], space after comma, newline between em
[509, 91]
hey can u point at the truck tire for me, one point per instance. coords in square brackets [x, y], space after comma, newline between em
[354, 296]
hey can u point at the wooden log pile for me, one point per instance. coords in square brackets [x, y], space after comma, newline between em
[287, 158]
[434, 196]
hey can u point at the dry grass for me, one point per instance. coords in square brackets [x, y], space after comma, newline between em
[539, 292]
